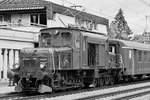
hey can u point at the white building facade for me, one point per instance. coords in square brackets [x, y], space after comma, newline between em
[20, 25]
[11, 41]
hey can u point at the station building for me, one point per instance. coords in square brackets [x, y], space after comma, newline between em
[21, 20]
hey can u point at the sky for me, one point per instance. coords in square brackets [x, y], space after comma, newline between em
[136, 12]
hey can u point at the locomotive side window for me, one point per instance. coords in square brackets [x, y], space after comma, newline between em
[93, 54]
[112, 49]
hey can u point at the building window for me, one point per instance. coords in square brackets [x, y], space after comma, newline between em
[34, 18]
[38, 19]
[43, 19]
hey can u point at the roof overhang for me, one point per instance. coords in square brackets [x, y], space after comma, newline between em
[96, 36]
[136, 48]
[21, 8]
[59, 49]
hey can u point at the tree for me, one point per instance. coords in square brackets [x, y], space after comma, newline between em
[119, 27]
[138, 38]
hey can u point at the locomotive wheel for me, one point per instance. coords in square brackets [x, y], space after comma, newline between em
[111, 81]
[126, 79]
[101, 81]
[96, 82]
[106, 80]
[86, 83]
[47, 80]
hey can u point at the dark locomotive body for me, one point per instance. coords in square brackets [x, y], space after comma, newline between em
[71, 58]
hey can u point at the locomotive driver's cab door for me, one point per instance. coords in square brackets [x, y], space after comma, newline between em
[113, 54]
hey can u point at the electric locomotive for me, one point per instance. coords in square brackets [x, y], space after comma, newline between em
[73, 58]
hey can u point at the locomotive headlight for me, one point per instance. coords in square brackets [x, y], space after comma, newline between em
[16, 65]
[42, 65]
[28, 76]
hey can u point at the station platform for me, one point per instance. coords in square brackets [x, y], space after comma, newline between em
[4, 88]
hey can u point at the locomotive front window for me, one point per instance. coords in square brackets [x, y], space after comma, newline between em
[46, 39]
[56, 35]
[29, 63]
[66, 35]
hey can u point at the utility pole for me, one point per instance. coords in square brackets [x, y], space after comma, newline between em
[146, 24]
[147, 31]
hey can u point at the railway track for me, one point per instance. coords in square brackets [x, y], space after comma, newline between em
[121, 95]
[118, 91]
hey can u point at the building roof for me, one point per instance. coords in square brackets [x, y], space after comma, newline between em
[135, 45]
[13, 5]
[80, 14]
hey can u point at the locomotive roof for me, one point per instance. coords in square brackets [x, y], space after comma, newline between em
[76, 29]
[47, 49]
[134, 45]
[95, 36]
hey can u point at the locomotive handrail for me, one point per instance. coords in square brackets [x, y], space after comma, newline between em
[114, 57]
[52, 52]
[121, 60]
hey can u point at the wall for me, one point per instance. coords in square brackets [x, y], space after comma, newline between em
[11, 41]
[61, 21]
[25, 19]
[15, 44]
[101, 28]
[9, 55]
[11, 34]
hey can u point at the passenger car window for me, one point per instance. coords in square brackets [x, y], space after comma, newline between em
[139, 56]
[145, 56]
